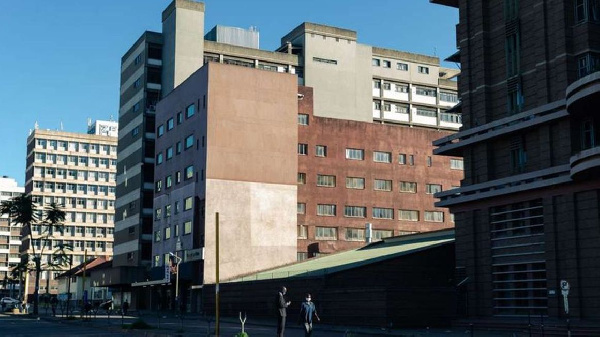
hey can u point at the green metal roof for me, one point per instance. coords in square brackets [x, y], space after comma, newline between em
[375, 252]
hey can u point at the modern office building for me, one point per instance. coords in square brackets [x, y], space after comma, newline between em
[78, 172]
[528, 210]
[10, 233]
[385, 92]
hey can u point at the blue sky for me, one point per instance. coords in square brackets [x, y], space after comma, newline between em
[60, 60]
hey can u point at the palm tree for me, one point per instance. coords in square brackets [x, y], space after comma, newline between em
[23, 211]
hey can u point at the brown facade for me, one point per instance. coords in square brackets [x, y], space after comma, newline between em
[527, 213]
[337, 135]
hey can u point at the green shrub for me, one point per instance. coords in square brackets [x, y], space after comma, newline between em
[241, 334]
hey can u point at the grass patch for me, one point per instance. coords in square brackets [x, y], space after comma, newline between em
[139, 325]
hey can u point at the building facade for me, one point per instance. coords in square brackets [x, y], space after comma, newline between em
[10, 233]
[78, 172]
[527, 212]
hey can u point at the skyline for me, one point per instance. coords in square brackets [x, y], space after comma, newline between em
[56, 75]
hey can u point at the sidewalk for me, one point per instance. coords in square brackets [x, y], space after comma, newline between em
[168, 324]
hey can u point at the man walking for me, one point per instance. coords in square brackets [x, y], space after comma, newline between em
[307, 311]
[281, 305]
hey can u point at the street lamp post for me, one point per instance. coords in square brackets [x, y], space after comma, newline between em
[177, 277]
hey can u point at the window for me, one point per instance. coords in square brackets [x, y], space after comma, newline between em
[355, 183]
[382, 185]
[189, 141]
[177, 206]
[448, 97]
[355, 234]
[408, 215]
[376, 105]
[302, 119]
[321, 151]
[429, 161]
[387, 107]
[456, 164]
[587, 64]
[160, 130]
[302, 232]
[301, 208]
[169, 153]
[137, 83]
[325, 180]
[157, 236]
[411, 160]
[423, 70]
[518, 155]
[326, 233]
[375, 62]
[156, 260]
[187, 227]
[158, 186]
[179, 118]
[387, 64]
[402, 66]
[383, 213]
[170, 124]
[325, 210]
[190, 111]
[355, 154]
[387, 86]
[167, 233]
[301, 178]
[157, 214]
[402, 159]
[159, 158]
[434, 216]
[322, 60]
[379, 234]
[432, 188]
[138, 59]
[178, 177]
[355, 211]
[425, 91]
[377, 84]
[302, 149]
[512, 55]
[587, 10]
[188, 203]
[408, 187]
[382, 157]
[427, 112]
[588, 138]
[168, 181]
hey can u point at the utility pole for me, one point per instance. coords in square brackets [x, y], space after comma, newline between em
[217, 275]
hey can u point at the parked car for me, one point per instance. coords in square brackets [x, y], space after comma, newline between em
[9, 303]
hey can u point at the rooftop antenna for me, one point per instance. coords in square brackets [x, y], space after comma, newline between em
[35, 125]
[434, 51]
[61, 126]
[89, 122]
[111, 118]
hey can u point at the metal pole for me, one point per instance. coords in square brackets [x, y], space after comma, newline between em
[217, 275]
[69, 284]
[83, 284]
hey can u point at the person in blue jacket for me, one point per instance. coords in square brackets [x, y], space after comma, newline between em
[307, 311]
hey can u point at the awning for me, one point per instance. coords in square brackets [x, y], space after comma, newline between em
[150, 283]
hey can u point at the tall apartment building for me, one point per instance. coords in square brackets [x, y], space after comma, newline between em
[351, 81]
[528, 211]
[77, 171]
[10, 233]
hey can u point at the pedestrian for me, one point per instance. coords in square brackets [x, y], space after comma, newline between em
[125, 307]
[307, 311]
[281, 304]
[53, 303]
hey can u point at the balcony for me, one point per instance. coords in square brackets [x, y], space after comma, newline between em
[585, 163]
[583, 95]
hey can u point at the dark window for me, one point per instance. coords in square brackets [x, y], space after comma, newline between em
[189, 141]
[170, 124]
[190, 111]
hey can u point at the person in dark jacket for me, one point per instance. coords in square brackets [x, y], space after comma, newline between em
[281, 304]
[307, 311]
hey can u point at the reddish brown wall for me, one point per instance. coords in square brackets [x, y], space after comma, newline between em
[337, 135]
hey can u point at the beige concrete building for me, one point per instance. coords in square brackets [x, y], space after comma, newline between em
[77, 171]
[10, 233]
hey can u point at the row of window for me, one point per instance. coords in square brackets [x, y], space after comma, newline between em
[50, 172]
[399, 65]
[350, 234]
[75, 230]
[188, 142]
[376, 213]
[378, 156]
[188, 203]
[73, 188]
[47, 158]
[189, 112]
[165, 233]
[77, 245]
[88, 203]
[324, 180]
[75, 146]
[422, 91]
[188, 173]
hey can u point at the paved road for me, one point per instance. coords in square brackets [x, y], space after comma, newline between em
[23, 325]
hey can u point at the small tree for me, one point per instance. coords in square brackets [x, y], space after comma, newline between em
[23, 211]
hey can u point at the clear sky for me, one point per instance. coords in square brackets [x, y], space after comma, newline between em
[60, 60]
